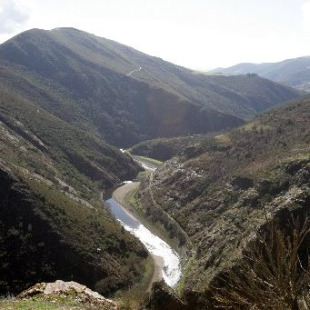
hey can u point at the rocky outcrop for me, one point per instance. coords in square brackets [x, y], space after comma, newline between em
[164, 298]
[79, 292]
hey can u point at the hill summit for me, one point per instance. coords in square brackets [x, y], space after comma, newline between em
[123, 95]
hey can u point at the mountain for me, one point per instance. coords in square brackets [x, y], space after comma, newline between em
[227, 191]
[53, 176]
[293, 72]
[123, 95]
[65, 98]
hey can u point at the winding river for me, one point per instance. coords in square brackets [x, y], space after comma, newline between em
[171, 268]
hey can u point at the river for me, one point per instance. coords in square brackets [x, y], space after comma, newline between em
[171, 271]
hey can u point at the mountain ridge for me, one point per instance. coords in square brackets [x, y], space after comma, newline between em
[90, 75]
[293, 72]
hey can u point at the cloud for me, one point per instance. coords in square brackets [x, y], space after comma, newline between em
[13, 14]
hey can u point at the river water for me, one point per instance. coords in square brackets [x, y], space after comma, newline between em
[172, 269]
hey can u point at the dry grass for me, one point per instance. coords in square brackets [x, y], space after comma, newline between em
[223, 138]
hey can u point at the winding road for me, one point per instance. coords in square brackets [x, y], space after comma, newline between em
[136, 70]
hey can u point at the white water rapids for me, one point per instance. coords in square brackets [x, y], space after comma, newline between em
[172, 269]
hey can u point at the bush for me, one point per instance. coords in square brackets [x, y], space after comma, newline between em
[274, 274]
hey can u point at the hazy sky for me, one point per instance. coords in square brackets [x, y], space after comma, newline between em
[200, 34]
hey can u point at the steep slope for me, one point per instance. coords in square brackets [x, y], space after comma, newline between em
[223, 191]
[293, 72]
[126, 96]
[66, 144]
[52, 223]
[47, 235]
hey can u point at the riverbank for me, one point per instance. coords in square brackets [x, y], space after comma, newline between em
[166, 260]
[124, 195]
[121, 195]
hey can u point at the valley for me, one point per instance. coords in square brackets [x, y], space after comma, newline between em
[167, 265]
[198, 172]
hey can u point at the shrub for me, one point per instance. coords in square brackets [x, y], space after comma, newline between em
[274, 274]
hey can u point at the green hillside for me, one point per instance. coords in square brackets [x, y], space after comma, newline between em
[126, 96]
[53, 177]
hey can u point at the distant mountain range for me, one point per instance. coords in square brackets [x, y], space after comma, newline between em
[293, 72]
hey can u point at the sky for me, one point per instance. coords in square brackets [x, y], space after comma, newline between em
[198, 34]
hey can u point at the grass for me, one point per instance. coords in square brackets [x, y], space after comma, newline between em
[223, 138]
[41, 305]
[154, 162]
[48, 303]
[135, 296]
